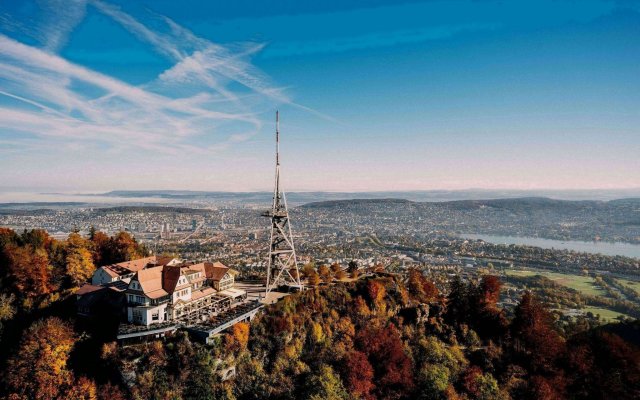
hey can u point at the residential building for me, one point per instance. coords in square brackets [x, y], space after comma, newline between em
[220, 276]
[154, 290]
[147, 300]
[179, 292]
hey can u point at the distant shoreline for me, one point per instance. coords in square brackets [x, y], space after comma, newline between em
[600, 247]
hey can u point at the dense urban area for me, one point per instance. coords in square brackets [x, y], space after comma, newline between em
[399, 304]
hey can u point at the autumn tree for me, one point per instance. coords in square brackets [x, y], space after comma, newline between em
[487, 318]
[421, 288]
[29, 270]
[603, 365]
[37, 238]
[110, 391]
[79, 261]
[392, 366]
[8, 240]
[121, 247]
[358, 374]
[433, 382]
[39, 368]
[7, 309]
[101, 248]
[375, 292]
[307, 270]
[325, 273]
[438, 367]
[489, 292]
[313, 279]
[240, 333]
[326, 384]
[535, 337]
[83, 389]
[335, 267]
[488, 388]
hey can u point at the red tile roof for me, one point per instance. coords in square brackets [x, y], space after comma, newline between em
[170, 278]
[215, 271]
[128, 267]
[151, 281]
[88, 288]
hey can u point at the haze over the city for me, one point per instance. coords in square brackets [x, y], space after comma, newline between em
[415, 95]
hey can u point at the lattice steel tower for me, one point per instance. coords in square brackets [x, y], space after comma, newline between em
[282, 267]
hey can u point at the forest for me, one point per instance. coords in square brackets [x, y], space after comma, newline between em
[381, 337]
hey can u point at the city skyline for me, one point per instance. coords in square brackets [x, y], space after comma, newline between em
[97, 96]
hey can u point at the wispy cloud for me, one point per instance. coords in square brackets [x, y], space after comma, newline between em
[47, 96]
[198, 59]
[61, 18]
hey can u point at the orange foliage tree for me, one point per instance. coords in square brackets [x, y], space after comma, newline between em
[358, 374]
[489, 291]
[535, 336]
[376, 292]
[240, 333]
[30, 270]
[313, 278]
[39, 369]
[421, 288]
[392, 366]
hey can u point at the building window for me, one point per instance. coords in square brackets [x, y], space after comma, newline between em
[137, 315]
[155, 316]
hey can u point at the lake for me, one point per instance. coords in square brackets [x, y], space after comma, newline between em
[606, 248]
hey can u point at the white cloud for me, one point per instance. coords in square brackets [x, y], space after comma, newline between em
[47, 97]
[61, 18]
[199, 59]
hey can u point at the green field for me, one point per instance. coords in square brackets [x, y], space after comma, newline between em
[605, 314]
[632, 284]
[583, 284]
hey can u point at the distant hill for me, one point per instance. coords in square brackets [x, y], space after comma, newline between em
[523, 203]
[417, 195]
[357, 203]
[616, 220]
[151, 209]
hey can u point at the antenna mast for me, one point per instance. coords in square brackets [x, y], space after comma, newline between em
[282, 266]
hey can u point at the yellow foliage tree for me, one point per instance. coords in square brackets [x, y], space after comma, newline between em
[79, 260]
[39, 369]
[317, 333]
[324, 273]
[84, 389]
[314, 279]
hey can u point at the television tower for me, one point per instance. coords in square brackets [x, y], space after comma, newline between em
[282, 267]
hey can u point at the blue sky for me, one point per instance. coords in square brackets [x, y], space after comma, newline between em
[380, 95]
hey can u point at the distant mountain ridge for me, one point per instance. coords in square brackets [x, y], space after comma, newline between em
[418, 195]
[521, 202]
